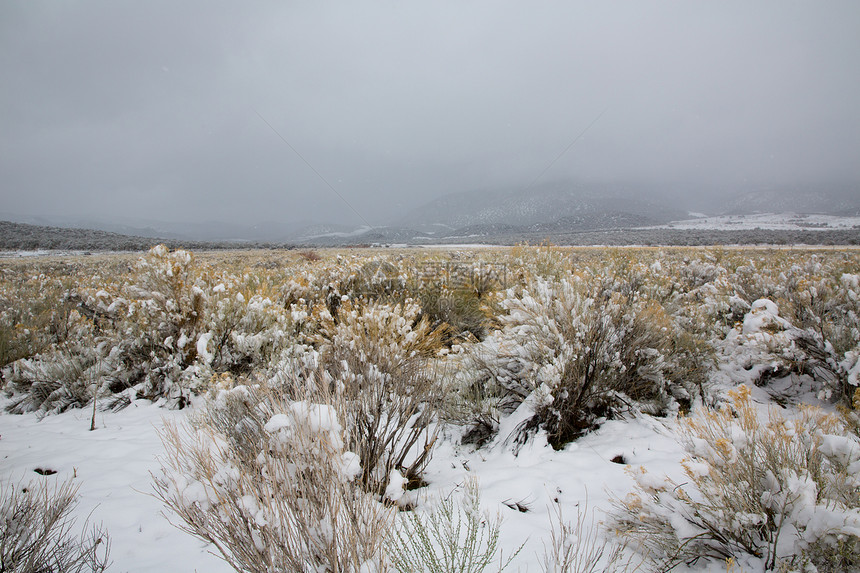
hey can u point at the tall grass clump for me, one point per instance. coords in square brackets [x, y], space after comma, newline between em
[461, 294]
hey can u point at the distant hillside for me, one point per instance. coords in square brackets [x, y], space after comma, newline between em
[186, 231]
[836, 199]
[550, 206]
[602, 213]
[24, 237]
[561, 212]
[21, 236]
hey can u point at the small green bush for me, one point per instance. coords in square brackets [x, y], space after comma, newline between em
[450, 538]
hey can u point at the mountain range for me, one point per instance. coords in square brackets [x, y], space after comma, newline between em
[551, 209]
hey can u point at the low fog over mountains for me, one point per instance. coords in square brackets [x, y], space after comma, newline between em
[554, 209]
[580, 206]
[836, 199]
[563, 212]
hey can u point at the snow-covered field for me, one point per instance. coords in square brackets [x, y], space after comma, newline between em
[768, 221]
[39, 253]
[112, 466]
[737, 318]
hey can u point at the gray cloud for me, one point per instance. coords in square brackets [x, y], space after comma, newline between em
[149, 109]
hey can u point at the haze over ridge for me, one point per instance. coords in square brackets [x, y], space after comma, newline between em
[149, 110]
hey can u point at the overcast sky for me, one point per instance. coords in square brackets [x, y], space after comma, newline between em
[149, 109]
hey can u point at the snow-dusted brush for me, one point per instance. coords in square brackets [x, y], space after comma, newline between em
[271, 483]
[301, 472]
[765, 491]
[583, 346]
[381, 362]
[797, 317]
[158, 329]
[36, 531]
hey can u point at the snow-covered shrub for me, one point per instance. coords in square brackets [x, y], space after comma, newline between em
[767, 346]
[784, 491]
[132, 331]
[36, 532]
[326, 284]
[272, 483]
[245, 328]
[380, 359]
[136, 325]
[449, 538]
[161, 316]
[55, 382]
[473, 400]
[159, 331]
[757, 277]
[51, 352]
[587, 344]
[825, 303]
[817, 299]
[764, 343]
[695, 273]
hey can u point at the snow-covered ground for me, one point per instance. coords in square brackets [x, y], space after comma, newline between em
[40, 253]
[525, 486]
[112, 466]
[770, 221]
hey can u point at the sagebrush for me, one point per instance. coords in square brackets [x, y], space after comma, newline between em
[778, 489]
